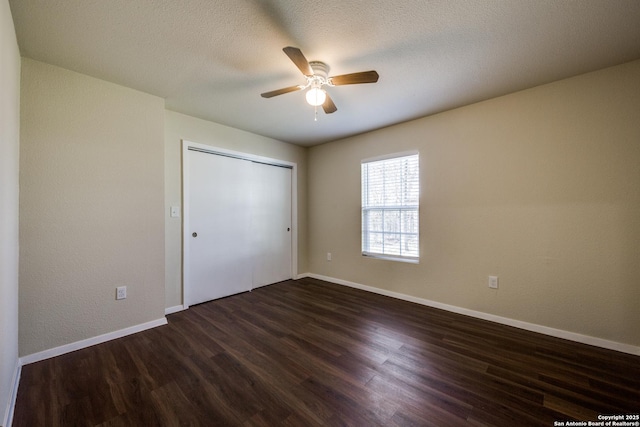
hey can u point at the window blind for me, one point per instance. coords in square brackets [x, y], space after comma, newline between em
[390, 207]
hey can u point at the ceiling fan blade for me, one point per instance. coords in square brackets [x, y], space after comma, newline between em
[298, 58]
[355, 78]
[328, 106]
[280, 91]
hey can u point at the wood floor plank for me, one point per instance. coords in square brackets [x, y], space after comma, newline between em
[312, 353]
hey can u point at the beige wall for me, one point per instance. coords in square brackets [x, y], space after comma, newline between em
[91, 205]
[9, 162]
[540, 187]
[178, 127]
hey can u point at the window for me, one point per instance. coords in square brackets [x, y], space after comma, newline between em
[390, 201]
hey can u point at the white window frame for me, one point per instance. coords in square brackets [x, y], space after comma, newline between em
[366, 208]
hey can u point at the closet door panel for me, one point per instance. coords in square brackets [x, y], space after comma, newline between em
[271, 224]
[220, 252]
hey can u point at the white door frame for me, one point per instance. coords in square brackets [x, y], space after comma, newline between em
[186, 146]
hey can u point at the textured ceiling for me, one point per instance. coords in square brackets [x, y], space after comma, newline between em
[212, 59]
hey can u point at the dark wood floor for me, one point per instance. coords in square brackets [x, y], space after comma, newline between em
[305, 353]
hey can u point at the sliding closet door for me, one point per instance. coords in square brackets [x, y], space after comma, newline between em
[271, 224]
[220, 242]
[238, 230]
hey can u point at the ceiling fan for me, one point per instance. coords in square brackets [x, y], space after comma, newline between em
[316, 73]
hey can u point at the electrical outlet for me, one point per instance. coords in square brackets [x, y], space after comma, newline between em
[121, 292]
[328, 256]
[493, 282]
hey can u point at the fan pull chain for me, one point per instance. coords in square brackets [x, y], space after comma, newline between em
[315, 118]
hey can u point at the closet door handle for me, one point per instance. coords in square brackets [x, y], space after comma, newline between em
[194, 234]
[288, 229]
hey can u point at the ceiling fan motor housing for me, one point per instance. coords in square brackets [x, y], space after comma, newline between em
[319, 68]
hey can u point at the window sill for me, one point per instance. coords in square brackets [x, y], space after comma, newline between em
[392, 258]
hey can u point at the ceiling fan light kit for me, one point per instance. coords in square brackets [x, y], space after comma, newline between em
[316, 96]
[316, 74]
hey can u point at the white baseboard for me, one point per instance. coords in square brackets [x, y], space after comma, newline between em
[68, 348]
[558, 333]
[174, 309]
[11, 404]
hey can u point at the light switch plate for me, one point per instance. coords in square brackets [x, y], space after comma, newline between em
[493, 282]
